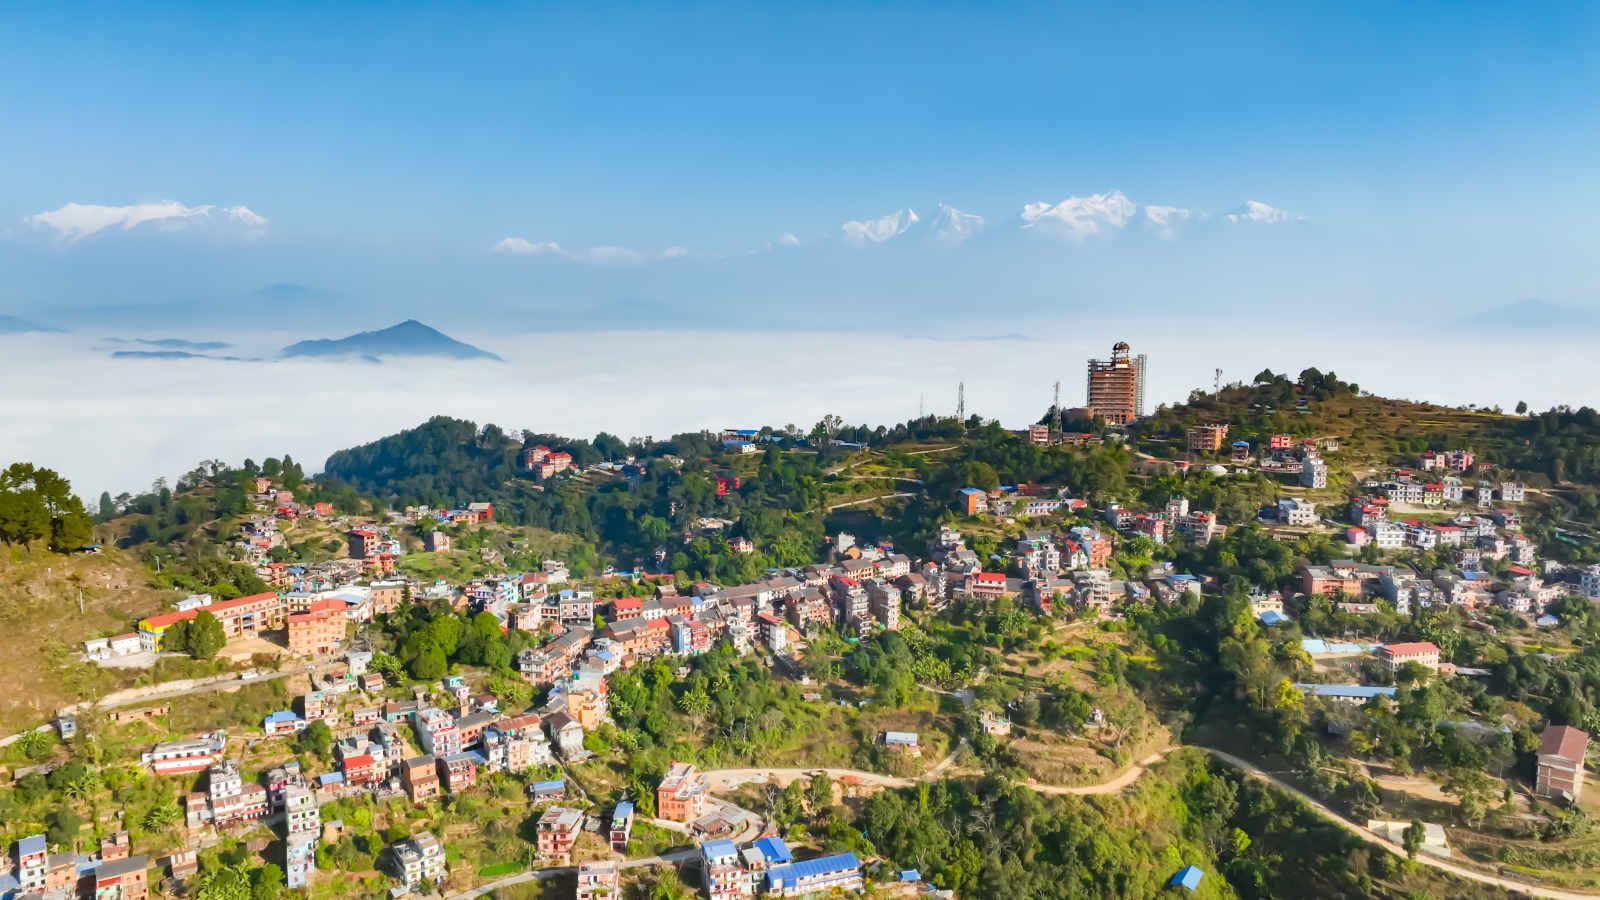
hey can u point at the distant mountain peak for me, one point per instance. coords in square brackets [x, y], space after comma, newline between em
[409, 338]
[952, 224]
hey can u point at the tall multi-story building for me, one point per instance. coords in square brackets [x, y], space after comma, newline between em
[681, 793]
[1116, 386]
[32, 856]
[1560, 772]
[1207, 438]
[319, 630]
[305, 822]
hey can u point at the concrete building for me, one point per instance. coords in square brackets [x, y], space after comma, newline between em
[1297, 511]
[1314, 473]
[421, 859]
[1560, 772]
[125, 879]
[304, 824]
[558, 830]
[319, 630]
[244, 617]
[1116, 386]
[841, 872]
[681, 794]
[598, 881]
[1207, 438]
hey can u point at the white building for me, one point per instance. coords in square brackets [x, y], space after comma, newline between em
[421, 859]
[1297, 511]
[1314, 473]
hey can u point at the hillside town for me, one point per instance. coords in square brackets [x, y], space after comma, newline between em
[366, 721]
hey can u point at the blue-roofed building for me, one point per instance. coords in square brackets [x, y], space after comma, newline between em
[724, 878]
[621, 826]
[283, 721]
[333, 781]
[1272, 618]
[1188, 878]
[774, 850]
[548, 790]
[910, 875]
[1346, 693]
[816, 876]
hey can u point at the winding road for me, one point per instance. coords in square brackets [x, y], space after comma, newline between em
[725, 779]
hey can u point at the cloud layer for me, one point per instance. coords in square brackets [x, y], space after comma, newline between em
[77, 221]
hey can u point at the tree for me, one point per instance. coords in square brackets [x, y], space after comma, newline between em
[62, 826]
[266, 883]
[35, 745]
[206, 636]
[1473, 789]
[819, 794]
[316, 738]
[225, 883]
[163, 815]
[1522, 407]
[1414, 834]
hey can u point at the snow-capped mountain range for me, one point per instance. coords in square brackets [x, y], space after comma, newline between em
[1075, 219]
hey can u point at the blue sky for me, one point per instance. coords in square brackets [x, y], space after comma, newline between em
[1435, 152]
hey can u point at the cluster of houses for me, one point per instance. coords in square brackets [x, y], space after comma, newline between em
[1357, 587]
[111, 874]
[766, 866]
[1404, 486]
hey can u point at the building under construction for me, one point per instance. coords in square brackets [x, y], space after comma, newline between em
[1116, 386]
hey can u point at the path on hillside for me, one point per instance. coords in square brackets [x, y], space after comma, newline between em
[753, 828]
[1255, 771]
[731, 778]
[869, 500]
[155, 693]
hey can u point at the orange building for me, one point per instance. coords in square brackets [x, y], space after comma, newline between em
[681, 793]
[319, 630]
[1116, 386]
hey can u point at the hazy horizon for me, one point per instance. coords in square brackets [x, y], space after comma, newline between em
[122, 423]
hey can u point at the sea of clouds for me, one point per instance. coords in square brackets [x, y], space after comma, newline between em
[117, 424]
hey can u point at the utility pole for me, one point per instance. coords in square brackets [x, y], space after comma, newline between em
[961, 402]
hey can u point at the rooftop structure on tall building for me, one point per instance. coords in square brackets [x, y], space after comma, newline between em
[1116, 386]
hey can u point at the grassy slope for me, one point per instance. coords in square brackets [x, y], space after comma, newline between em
[40, 618]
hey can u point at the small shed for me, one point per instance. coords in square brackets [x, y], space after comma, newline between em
[1187, 878]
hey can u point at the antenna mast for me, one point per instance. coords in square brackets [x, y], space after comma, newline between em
[1216, 387]
[961, 401]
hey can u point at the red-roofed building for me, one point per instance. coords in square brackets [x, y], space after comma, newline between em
[361, 769]
[1560, 774]
[1423, 653]
[363, 542]
[627, 608]
[243, 617]
[986, 585]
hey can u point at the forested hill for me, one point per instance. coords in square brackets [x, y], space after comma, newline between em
[444, 461]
